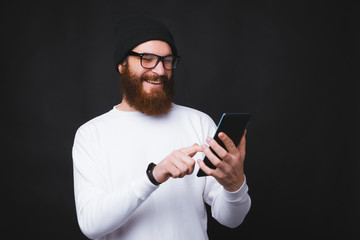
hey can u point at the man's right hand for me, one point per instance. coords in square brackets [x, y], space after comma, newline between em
[177, 164]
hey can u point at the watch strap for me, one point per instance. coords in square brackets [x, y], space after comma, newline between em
[149, 173]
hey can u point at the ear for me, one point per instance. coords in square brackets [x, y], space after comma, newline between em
[121, 66]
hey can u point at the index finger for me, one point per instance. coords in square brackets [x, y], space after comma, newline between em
[229, 144]
[192, 150]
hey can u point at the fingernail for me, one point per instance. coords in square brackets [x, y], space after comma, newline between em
[208, 139]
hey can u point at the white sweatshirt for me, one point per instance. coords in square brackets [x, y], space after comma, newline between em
[115, 199]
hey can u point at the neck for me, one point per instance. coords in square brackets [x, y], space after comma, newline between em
[124, 106]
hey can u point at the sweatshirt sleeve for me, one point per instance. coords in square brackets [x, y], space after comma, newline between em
[228, 208]
[100, 211]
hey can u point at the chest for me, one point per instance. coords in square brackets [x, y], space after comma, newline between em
[128, 148]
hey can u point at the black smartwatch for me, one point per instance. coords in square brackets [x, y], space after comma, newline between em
[149, 173]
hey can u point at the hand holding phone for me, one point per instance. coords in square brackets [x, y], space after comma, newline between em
[233, 125]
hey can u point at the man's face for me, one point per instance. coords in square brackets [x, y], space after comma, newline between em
[148, 90]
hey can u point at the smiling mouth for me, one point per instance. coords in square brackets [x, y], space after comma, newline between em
[156, 82]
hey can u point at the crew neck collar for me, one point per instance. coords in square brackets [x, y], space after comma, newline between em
[118, 112]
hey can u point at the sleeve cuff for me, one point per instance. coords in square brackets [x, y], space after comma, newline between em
[237, 195]
[143, 188]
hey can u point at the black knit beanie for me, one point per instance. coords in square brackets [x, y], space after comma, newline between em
[134, 30]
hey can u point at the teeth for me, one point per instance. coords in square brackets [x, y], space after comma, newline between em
[154, 82]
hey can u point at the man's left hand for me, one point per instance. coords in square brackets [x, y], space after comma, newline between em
[229, 171]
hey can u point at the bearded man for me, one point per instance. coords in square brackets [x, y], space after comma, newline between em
[135, 166]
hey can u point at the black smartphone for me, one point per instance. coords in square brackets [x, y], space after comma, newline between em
[234, 125]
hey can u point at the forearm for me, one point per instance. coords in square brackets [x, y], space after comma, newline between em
[100, 214]
[230, 208]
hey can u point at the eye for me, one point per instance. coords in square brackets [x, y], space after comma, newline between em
[149, 57]
[169, 59]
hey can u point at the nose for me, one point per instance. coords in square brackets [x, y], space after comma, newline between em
[159, 69]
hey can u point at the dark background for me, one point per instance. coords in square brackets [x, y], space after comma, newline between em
[292, 64]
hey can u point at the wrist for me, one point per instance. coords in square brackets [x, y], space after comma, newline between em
[236, 186]
[149, 173]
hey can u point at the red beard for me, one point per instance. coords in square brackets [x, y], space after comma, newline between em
[154, 103]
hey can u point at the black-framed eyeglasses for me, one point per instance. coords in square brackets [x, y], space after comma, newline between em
[149, 60]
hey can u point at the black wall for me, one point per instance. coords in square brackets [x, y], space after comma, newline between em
[292, 64]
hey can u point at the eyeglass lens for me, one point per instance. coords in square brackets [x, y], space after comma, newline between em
[151, 60]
